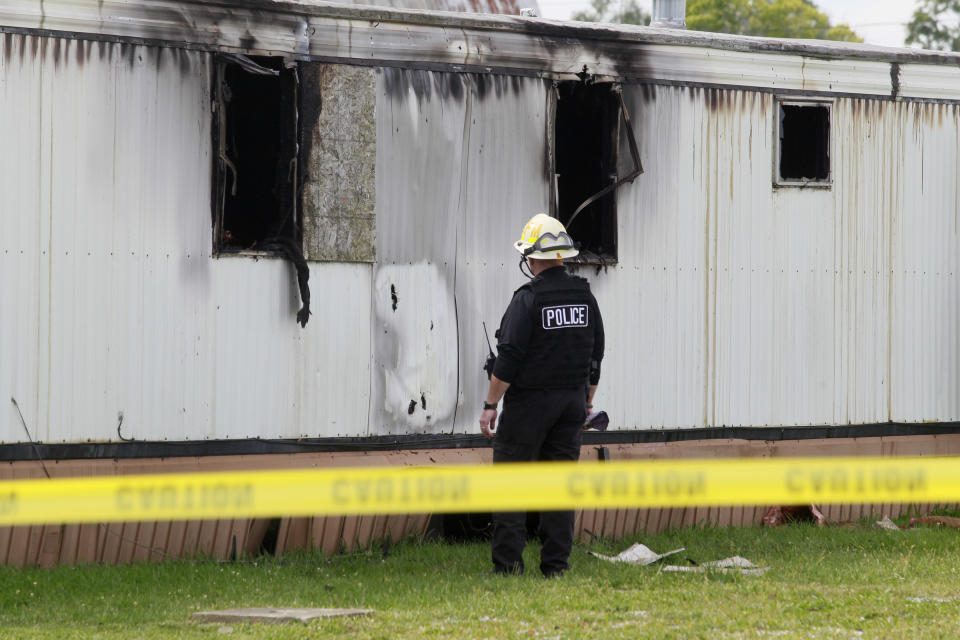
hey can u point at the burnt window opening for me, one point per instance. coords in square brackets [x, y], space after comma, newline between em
[804, 144]
[255, 139]
[256, 149]
[586, 135]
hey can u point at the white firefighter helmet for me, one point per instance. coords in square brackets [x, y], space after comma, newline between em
[545, 238]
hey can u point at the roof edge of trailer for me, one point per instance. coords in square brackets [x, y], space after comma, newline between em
[244, 25]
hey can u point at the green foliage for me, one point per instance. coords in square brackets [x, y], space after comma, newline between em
[771, 18]
[622, 11]
[934, 25]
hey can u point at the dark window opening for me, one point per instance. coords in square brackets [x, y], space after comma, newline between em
[804, 143]
[586, 153]
[255, 139]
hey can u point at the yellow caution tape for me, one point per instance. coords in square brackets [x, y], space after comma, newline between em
[506, 487]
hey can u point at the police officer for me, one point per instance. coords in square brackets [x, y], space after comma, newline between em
[550, 344]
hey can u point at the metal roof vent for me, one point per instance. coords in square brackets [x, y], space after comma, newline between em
[669, 14]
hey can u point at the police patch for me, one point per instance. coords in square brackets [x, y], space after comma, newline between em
[565, 316]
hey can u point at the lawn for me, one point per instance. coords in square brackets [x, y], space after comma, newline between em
[823, 583]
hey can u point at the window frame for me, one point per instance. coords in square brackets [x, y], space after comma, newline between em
[795, 101]
[619, 121]
[224, 173]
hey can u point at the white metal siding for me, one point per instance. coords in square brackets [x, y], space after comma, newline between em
[458, 175]
[733, 303]
[111, 300]
[741, 304]
[923, 168]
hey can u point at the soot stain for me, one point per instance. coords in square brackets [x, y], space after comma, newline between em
[648, 92]
[482, 84]
[453, 85]
[7, 47]
[129, 52]
[602, 43]
[311, 105]
[185, 61]
[248, 41]
[57, 46]
[713, 99]
[82, 53]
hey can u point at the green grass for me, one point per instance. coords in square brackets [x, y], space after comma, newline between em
[823, 583]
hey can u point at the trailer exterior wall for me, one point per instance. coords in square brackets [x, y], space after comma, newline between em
[733, 303]
[111, 300]
[460, 168]
[737, 303]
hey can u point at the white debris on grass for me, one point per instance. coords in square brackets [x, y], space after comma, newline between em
[628, 623]
[735, 564]
[636, 554]
[922, 599]
[886, 523]
[275, 614]
[833, 633]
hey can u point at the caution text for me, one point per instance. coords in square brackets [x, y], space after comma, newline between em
[856, 481]
[207, 498]
[627, 484]
[406, 490]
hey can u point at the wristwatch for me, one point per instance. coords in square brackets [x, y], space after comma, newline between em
[489, 405]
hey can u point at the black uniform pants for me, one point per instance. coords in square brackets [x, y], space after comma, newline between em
[537, 425]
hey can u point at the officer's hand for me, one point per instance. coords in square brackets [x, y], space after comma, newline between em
[488, 422]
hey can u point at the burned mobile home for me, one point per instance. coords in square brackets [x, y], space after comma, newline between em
[184, 185]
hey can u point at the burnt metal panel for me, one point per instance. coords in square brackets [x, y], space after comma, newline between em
[113, 302]
[460, 161]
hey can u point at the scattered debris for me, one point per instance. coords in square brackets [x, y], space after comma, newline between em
[275, 615]
[735, 564]
[886, 523]
[225, 630]
[636, 554]
[780, 515]
[937, 521]
[921, 600]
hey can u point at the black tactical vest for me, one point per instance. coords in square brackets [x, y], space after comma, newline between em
[558, 354]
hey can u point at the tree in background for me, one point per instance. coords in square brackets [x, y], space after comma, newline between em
[621, 11]
[773, 18]
[928, 26]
